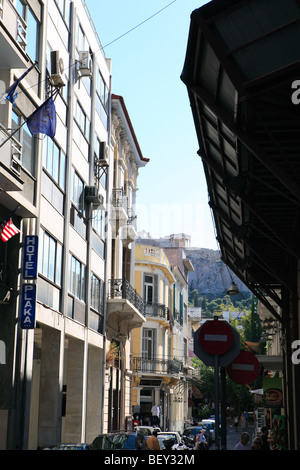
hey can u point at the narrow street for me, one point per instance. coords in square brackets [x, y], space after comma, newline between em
[233, 436]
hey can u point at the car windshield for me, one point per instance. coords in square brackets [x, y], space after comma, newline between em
[162, 437]
[115, 441]
[194, 431]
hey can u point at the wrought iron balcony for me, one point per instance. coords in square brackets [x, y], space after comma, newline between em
[119, 199]
[156, 366]
[157, 310]
[125, 303]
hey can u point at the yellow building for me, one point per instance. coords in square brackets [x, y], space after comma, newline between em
[159, 347]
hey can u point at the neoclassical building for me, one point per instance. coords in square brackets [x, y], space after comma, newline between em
[125, 308]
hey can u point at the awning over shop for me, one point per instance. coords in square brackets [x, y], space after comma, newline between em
[241, 63]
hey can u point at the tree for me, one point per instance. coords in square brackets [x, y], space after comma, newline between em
[252, 324]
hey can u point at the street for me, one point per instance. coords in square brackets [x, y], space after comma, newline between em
[233, 436]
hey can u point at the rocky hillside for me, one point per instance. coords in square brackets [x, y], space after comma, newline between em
[211, 277]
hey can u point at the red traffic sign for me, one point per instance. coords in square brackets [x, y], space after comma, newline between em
[215, 337]
[244, 368]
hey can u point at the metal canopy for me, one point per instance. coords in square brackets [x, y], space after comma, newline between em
[242, 58]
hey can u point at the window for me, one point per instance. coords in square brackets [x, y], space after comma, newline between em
[77, 190]
[82, 120]
[97, 304]
[24, 136]
[53, 179]
[64, 8]
[54, 161]
[102, 98]
[50, 270]
[77, 278]
[82, 45]
[96, 293]
[148, 343]
[32, 33]
[50, 257]
[150, 288]
[77, 208]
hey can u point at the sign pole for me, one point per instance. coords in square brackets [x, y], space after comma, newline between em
[223, 409]
[216, 360]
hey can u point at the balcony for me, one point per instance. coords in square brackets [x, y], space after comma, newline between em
[13, 34]
[157, 366]
[119, 202]
[159, 311]
[10, 165]
[125, 308]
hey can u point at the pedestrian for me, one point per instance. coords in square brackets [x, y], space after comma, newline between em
[265, 438]
[244, 442]
[141, 441]
[257, 443]
[236, 423]
[152, 442]
[201, 443]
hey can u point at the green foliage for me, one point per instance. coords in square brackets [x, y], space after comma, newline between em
[248, 325]
[237, 395]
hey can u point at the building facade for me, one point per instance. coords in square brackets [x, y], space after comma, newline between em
[61, 191]
[125, 308]
[160, 346]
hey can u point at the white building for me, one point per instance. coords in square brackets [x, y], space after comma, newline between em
[61, 190]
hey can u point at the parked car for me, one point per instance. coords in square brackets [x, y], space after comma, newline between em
[147, 429]
[192, 432]
[178, 443]
[210, 426]
[67, 447]
[119, 440]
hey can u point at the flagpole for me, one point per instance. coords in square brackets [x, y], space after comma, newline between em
[18, 80]
[55, 94]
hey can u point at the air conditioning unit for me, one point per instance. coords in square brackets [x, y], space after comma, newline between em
[85, 64]
[92, 196]
[103, 156]
[57, 69]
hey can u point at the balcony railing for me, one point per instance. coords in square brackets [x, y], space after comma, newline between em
[156, 366]
[119, 199]
[157, 310]
[178, 317]
[132, 218]
[122, 289]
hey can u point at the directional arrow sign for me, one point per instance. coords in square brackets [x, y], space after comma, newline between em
[244, 368]
[216, 337]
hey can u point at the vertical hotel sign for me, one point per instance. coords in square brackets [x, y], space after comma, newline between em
[28, 301]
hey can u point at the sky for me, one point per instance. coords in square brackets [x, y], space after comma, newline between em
[146, 67]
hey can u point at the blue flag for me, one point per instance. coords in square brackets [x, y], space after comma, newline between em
[43, 119]
[11, 93]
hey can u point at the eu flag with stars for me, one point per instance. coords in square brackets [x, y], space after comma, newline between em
[43, 119]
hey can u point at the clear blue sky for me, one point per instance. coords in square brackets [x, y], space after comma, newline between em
[146, 68]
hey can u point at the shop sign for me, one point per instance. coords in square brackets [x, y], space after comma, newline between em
[28, 303]
[272, 396]
[30, 257]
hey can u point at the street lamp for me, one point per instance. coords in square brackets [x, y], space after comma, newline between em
[233, 289]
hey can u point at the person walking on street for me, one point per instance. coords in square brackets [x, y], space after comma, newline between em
[152, 442]
[264, 437]
[244, 442]
[201, 443]
[257, 443]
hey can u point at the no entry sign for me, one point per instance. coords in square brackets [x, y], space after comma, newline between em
[244, 368]
[215, 337]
